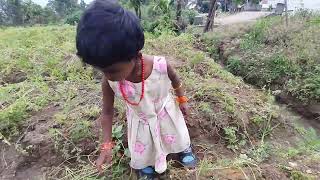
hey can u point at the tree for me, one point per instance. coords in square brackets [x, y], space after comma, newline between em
[3, 12]
[83, 5]
[210, 20]
[203, 5]
[63, 7]
[49, 16]
[74, 18]
[17, 11]
[136, 5]
[179, 10]
[10, 12]
[164, 6]
[32, 13]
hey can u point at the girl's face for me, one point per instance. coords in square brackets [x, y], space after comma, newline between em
[119, 71]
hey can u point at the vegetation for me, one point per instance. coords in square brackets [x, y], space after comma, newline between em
[50, 101]
[273, 56]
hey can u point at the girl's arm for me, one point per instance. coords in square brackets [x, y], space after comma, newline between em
[107, 111]
[106, 123]
[179, 90]
[175, 81]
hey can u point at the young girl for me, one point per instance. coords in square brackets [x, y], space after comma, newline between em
[110, 39]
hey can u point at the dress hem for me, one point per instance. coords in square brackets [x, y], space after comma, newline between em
[141, 167]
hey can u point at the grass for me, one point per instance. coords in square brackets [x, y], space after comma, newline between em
[271, 55]
[222, 104]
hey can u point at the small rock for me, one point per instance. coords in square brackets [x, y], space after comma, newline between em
[289, 168]
[309, 171]
[276, 92]
[293, 164]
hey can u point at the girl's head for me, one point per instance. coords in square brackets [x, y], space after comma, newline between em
[110, 39]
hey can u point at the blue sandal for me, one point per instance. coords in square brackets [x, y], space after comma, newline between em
[147, 173]
[187, 158]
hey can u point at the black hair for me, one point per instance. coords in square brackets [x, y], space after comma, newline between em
[108, 34]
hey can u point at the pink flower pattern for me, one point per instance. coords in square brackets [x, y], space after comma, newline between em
[157, 129]
[161, 65]
[162, 114]
[161, 159]
[139, 148]
[143, 118]
[169, 139]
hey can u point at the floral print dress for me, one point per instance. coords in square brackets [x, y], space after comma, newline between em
[156, 126]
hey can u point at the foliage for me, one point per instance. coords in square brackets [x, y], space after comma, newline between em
[74, 18]
[159, 17]
[203, 5]
[189, 15]
[278, 57]
[63, 7]
[26, 12]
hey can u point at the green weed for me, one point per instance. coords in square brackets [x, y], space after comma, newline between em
[233, 140]
[261, 152]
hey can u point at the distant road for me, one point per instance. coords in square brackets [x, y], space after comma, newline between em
[241, 17]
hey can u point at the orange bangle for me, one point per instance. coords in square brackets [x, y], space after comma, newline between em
[106, 146]
[182, 99]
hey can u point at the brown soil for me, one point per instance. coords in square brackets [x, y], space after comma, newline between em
[40, 155]
[310, 111]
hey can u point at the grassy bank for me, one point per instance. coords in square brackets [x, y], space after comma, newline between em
[273, 56]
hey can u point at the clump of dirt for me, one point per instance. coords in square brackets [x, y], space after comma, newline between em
[16, 76]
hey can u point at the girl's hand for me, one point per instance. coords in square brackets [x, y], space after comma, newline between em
[184, 107]
[104, 157]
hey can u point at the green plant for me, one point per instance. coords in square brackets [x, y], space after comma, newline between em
[80, 130]
[234, 65]
[189, 15]
[261, 152]
[197, 58]
[297, 175]
[231, 135]
[74, 18]
[120, 153]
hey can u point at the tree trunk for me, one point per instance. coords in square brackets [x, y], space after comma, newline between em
[138, 11]
[139, 14]
[179, 11]
[212, 13]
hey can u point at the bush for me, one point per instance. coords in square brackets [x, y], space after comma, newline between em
[189, 15]
[74, 18]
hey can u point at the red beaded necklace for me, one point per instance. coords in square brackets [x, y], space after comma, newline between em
[142, 87]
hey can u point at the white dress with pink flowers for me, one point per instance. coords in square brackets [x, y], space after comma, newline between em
[156, 127]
